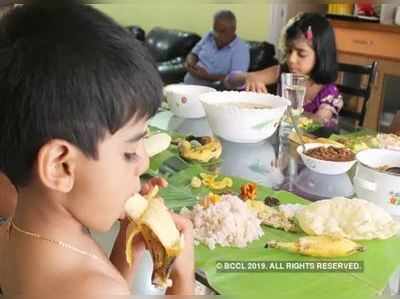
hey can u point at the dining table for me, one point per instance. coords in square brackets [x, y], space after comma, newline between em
[278, 171]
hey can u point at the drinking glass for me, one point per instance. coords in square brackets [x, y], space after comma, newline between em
[294, 89]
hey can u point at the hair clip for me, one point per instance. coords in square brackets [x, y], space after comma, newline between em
[309, 34]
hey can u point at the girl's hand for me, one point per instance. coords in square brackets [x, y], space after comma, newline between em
[324, 114]
[255, 82]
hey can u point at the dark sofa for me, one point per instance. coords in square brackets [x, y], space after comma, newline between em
[169, 49]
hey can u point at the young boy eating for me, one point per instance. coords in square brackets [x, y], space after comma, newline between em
[75, 95]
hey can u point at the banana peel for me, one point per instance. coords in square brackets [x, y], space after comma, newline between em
[319, 246]
[209, 148]
[150, 217]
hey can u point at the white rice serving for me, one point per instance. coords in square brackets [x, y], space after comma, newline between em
[227, 223]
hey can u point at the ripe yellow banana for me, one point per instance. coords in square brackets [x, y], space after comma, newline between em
[151, 218]
[209, 148]
[319, 246]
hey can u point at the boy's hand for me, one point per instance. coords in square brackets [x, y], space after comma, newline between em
[153, 182]
[182, 273]
[118, 257]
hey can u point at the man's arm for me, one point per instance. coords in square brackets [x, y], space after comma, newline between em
[241, 59]
[193, 57]
[201, 73]
[191, 60]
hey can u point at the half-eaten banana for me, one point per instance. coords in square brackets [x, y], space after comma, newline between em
[150, 217]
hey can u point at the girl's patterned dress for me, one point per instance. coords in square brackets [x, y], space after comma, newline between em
[328, 98]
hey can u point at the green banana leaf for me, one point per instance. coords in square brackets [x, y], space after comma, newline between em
[381, 258]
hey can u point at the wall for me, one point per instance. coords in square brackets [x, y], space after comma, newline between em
[193, 16]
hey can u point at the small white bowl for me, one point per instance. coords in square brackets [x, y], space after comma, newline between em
[183, 99]
[324, 166]
[243, 124]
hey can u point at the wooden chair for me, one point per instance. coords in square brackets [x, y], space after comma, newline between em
[356, 81]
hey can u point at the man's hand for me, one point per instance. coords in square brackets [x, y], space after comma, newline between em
[198, 72]
[191, 61]
[201, 73]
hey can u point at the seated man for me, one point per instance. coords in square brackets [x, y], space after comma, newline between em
[218, 53]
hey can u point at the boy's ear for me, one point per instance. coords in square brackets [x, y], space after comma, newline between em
[56, 163]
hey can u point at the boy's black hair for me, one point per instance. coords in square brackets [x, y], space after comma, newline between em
[67, 71]
[323, 43]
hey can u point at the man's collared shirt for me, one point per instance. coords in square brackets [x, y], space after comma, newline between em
[233, 57]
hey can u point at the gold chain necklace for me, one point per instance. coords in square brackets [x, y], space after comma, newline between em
[56, 242]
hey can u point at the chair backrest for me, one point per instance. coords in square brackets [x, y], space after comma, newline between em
[137, 32]
[262, 55]
[166, 44]
[364, 76]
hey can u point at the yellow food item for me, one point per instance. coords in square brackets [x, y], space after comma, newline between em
[195, 182]
[271, 216]
[210, 148]
[319, 246]
[210, 180]
[210, 199]
[307, 139]
[328, 141]
[293, 137]
[150, 217]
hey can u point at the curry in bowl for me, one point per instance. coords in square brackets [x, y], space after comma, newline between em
[331, 153]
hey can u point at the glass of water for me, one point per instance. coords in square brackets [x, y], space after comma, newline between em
[293, 88]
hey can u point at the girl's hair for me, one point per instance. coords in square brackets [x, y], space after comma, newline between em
[67, 71]
[316, 27]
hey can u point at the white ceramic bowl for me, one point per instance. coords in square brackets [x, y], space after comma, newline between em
[183, 99]
[243, 125]
[323, 166]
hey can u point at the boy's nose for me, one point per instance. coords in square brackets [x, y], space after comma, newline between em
[145, 163]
